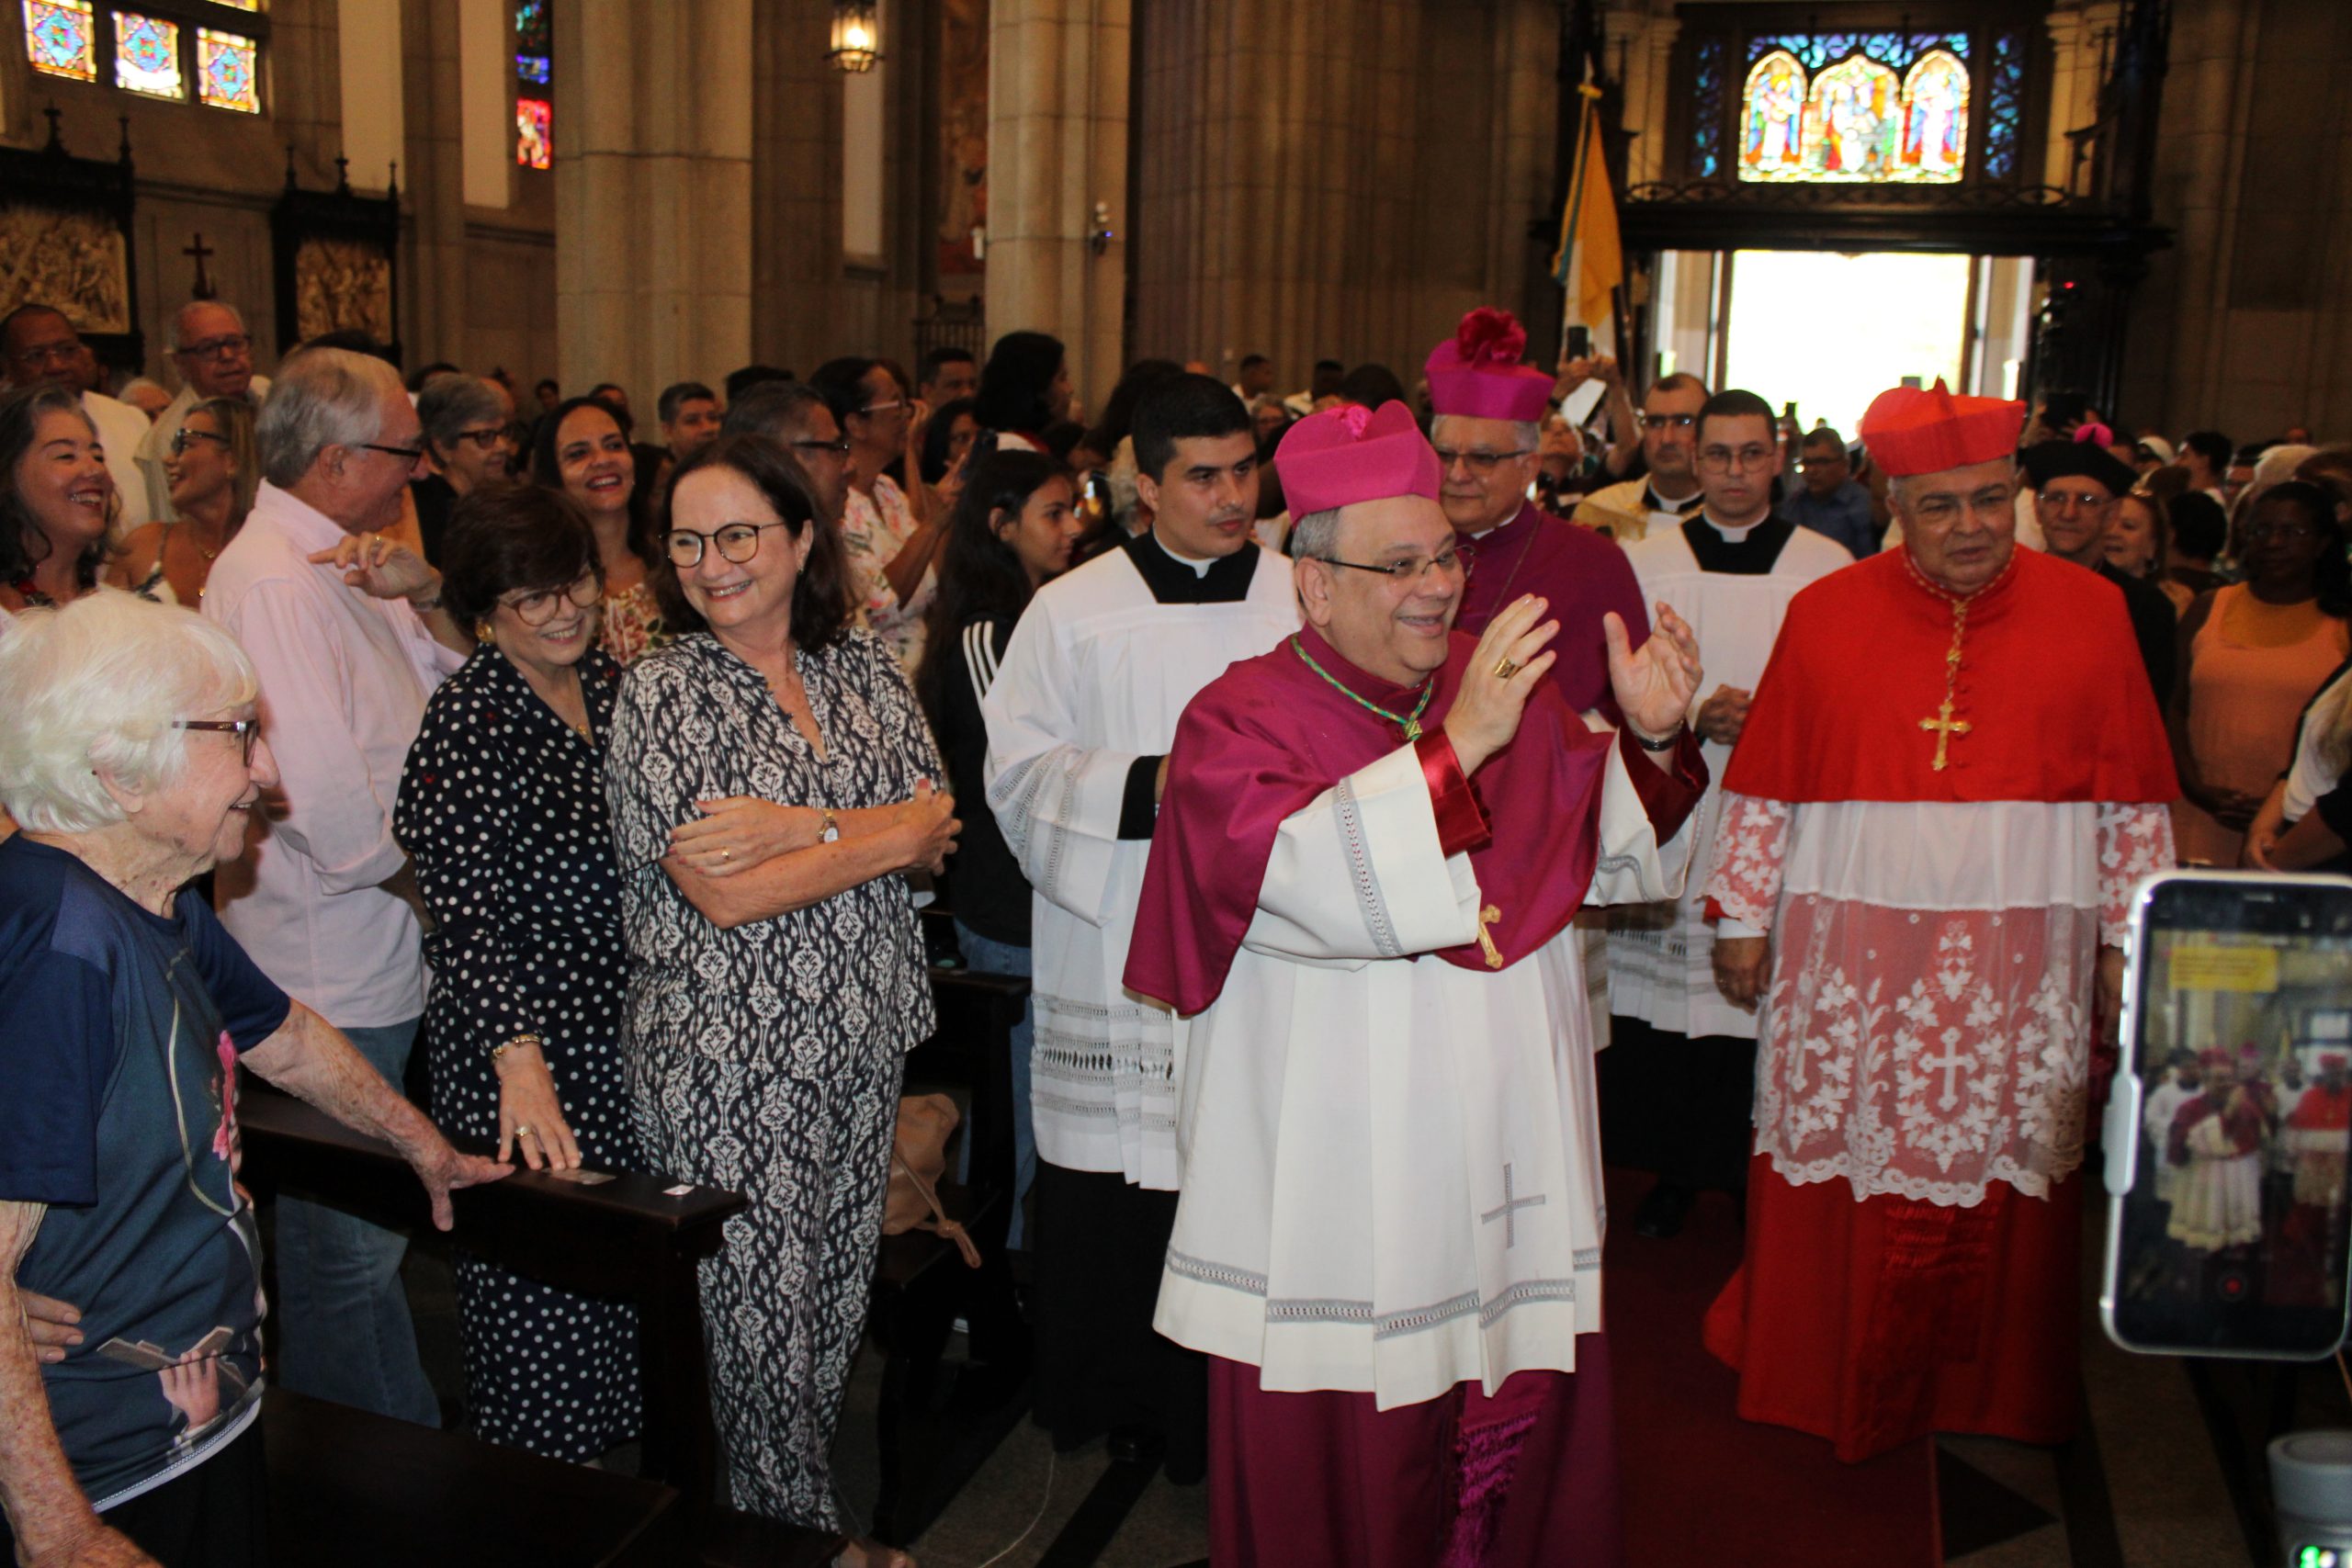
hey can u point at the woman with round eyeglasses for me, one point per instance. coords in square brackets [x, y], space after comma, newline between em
[770, 776]
[582, 451]
[502, 808]
[56, 498]
[213, 470]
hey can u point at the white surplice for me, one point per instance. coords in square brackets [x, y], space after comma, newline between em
[1392, 1167]
[1662, 956]
[1098, 672]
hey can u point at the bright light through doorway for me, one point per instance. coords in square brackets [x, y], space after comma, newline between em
[1829, 332]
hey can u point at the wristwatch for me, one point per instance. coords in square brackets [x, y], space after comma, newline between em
[828, 831]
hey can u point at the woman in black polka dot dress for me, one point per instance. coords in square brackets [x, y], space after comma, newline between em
[503, 809]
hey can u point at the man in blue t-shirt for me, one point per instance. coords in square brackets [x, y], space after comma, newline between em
[121, 1024]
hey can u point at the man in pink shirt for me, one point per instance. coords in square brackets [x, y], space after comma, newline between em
[346, 631]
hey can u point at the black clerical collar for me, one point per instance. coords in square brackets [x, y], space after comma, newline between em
[1752, 554]
[1684, 508]
[1172, 581]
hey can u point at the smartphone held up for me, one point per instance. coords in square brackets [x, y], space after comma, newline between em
[2228, 1131]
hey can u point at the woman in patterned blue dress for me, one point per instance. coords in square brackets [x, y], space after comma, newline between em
[769, 775]
[502, 809]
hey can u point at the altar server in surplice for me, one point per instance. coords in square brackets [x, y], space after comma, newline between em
[1078, 719]
[1374, 840]
[1680, 1079]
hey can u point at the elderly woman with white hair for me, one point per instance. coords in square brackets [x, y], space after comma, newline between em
[132, 760]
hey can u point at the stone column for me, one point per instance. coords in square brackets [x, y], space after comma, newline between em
[1058, 145]
[433, 314]
[653, 192]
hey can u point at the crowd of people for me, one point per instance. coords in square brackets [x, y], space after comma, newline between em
[354, 715]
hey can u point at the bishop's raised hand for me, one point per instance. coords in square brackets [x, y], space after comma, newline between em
[1654, 684]
[1510, 662]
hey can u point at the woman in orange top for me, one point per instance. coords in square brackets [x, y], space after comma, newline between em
[2252, 653]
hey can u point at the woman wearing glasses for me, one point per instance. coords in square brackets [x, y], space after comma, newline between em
[893, 544]
[582, 451]
[56, 498]
[213, 472]
[464, 420]
[502, 809]
[769, 776]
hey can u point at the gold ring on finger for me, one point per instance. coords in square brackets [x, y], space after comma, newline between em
[1505, 668]
[524, 1130]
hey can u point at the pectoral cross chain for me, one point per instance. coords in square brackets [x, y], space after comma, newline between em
[1943, 725]
[1487, 916]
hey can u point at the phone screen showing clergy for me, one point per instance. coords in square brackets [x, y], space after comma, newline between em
[2233, 1237]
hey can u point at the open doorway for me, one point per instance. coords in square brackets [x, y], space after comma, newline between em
[1829, 332]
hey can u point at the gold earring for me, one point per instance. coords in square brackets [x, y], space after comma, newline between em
[485, 632]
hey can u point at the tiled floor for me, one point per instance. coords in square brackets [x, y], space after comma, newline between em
[2149, 1491]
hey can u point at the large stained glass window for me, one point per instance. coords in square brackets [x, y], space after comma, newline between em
[225, 70]
[534, 44]
[1856, 108]
[147, 55]
[60, 38]
[534, 148]
[1707, 109]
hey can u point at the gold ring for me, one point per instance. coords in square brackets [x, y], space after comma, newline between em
[523, 1129]
[1505, 669]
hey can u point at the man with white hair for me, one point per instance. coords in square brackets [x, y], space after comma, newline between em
[214, 356]
[347, 632]
[38, 346]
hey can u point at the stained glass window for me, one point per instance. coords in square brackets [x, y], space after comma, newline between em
[147, 55]
[225, 70]
[60, 38]
[534, 44]
[1707, 110]
[2004, 106]
[1854, 109]
[532, 145]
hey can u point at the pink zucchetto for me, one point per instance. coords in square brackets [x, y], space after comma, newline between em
[1346, 454]
[1476, 373]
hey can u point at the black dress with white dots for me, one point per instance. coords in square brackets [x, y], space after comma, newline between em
[503, 809]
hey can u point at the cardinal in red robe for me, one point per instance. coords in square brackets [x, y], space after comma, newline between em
[1951, 776]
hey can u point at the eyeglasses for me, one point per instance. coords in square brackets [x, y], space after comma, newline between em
[1669, 420]
[838, 448]
[884, 408]
[484, 436]
[409, 455]
[246, 730]
[227, 346]
[737, 542]
[1409, 571]
[1724, 459]
[1838, 461]
[539, 607]
[1480, 463]
[2072, 499]
[185, 433]
[66, 353]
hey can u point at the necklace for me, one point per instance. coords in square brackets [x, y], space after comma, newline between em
[1410, 723]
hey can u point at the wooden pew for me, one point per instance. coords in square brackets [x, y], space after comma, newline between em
[352, 1487]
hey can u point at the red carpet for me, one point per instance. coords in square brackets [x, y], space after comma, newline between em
[1700, 1484]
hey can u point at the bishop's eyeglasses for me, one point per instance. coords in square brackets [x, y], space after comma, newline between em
[1408, 571]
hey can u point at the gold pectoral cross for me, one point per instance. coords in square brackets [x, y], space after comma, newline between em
[1945, 727]
[1487, 916]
